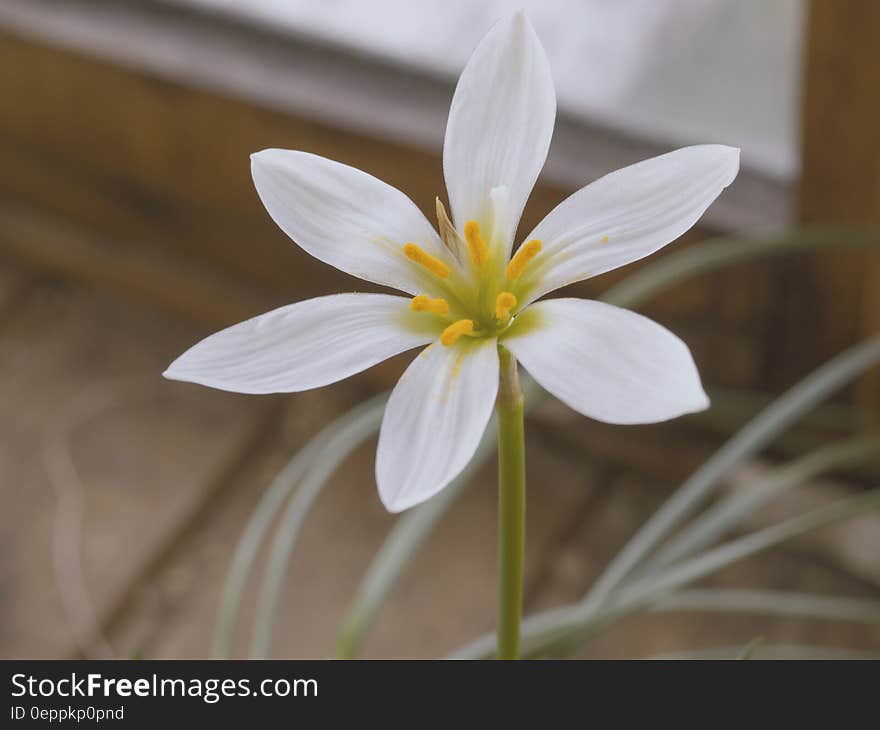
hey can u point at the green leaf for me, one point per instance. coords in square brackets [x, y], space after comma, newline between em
[770, 651]
[786, 409]
[724, 251]
[264, 514]
[361, 423]
[779, 603]
[574, 624]
[720, 518]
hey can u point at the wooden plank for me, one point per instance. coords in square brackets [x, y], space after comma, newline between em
[181, 286]
[144, 162]
[280, 68]
[135, 162]
[649, 635]
[154, 150]
[15, 281]
[92, 429]
[831, 301]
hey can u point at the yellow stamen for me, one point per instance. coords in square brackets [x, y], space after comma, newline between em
[526, 253]
[423, 303]
[476, 245]
[456, 330]
[604, 239]
[431, 263]
[504, 302]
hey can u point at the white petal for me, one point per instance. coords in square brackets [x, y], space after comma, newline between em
[301, 346]
[434, 420]
[500, 123]
[627, 215]
[345, 217]
[606, 362]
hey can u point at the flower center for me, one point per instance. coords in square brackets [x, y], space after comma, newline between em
[476, 289]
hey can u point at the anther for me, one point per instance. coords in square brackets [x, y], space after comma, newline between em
[476, 245]
[524, 254]
[504, 302]
[423, 303]
[456, 330]
[431, 263]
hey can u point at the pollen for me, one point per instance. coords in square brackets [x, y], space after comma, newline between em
[524, 254]
[456, 330]
[476, 245]
[423, 303]
[431, 263]
[604, 239]
[504, 302]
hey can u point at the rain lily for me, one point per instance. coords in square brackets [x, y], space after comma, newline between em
[467, 294]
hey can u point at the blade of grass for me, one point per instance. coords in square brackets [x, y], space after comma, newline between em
[573, 625]
[252, 539]
[641, 592]
[769, 651]
[262, 517]
[362, 423]
[716, 521]
[732, 408]
[755, 542]
[781, 603]
[761, 430]
[723, 251]
[748, 651]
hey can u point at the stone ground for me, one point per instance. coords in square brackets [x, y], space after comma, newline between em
[124, 495]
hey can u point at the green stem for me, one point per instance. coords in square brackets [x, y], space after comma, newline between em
[511, 506]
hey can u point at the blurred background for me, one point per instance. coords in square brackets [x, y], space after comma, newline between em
[129, 229]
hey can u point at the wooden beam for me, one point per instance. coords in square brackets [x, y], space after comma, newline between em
[834, 300]
[126, 178]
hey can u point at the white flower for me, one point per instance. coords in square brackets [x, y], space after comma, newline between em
[469, 295]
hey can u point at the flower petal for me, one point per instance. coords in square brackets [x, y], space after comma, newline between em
[606, 362]
[626, 215]
[345, 217]
[434, 420]
[500, 124]
[304, 345]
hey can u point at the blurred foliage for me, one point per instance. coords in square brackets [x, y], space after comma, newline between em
[654, 569]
